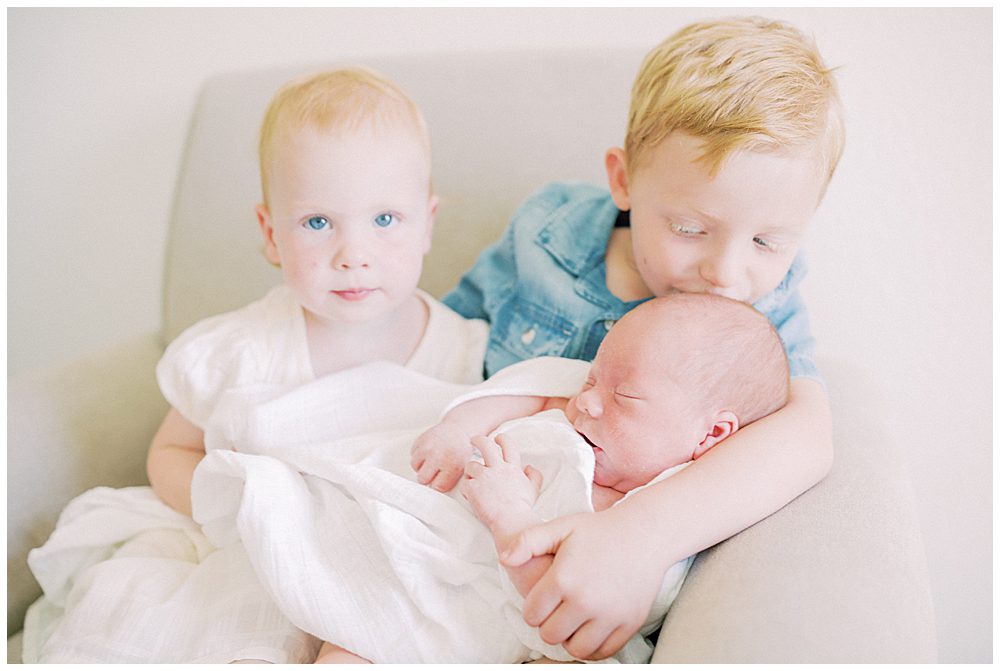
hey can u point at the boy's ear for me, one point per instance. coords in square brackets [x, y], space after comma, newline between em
[267, 230]
[432, 208]
[725, 424]
[614, 164]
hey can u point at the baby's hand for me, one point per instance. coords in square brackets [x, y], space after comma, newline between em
[500, 491]
[439, 455]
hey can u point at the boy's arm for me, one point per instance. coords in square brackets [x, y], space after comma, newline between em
[176, 450]
[608, 566]
[439, 454]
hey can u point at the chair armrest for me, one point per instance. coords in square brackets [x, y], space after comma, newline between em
[838, 575]
[71, 428]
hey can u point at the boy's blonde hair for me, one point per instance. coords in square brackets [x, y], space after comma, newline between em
[738, 84]
[344, 99]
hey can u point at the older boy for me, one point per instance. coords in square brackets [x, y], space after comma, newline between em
[734, 132]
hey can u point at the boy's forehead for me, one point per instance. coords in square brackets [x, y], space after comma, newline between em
[781, 186]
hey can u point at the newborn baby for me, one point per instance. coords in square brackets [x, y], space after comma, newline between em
[672, 379]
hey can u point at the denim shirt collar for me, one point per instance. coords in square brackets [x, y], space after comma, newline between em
[576, 234]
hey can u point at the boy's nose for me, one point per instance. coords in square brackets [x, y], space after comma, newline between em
[721, 270]
[589, 403]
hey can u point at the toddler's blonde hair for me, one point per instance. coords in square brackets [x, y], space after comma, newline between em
[737, 84]
[343, 99]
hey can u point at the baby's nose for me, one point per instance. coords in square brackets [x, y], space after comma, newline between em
[589, 402]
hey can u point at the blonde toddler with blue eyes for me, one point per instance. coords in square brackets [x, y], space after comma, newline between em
[347, 216]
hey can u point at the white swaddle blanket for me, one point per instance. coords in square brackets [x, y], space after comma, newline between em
[317, 486]
[315, 520]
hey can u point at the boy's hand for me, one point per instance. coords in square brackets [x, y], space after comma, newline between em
[501, 492]
[439, 454]
[600, 586]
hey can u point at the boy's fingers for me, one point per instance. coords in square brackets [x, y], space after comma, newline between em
[542, 539]
[590, 640]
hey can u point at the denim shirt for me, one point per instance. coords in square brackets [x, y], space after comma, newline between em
[542, 287]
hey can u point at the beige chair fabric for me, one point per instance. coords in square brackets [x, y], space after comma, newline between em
[839, 575]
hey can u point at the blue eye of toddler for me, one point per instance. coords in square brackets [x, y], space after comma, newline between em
[383, 220]
[317, 223]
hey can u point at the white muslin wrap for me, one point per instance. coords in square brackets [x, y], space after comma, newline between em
[316, 485]
[309, 524]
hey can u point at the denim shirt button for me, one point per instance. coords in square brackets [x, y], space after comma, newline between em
[528, 336]
[608, 323]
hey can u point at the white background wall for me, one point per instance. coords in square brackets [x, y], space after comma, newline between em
[98, 102]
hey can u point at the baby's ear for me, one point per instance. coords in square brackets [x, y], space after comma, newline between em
[724, 425]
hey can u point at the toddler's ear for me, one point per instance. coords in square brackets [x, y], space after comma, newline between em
[726, 424]
[267, 230]
[614, 164]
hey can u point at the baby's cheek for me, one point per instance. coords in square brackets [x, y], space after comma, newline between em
[571, 411]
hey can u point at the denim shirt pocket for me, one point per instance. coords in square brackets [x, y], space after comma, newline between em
[523, 330]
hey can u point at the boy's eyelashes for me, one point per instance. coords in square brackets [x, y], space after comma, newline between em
[762, 242]
[686, 229]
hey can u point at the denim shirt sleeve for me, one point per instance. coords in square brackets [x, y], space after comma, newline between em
[787, 311]
[791, 319]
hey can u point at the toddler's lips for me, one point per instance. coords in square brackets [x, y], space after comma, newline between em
[353, 294]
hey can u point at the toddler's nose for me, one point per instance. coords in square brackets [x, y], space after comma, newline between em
[352, 254]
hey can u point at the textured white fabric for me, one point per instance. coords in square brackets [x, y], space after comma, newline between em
[264, 343]
[353, 549]
[127, 579]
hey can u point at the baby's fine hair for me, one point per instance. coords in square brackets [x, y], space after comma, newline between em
[345, 99]
[738, 84]
[730, 355]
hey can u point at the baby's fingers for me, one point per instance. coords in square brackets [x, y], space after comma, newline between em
[492, 454]
[511, 454]
[535, 476]
[426, 472]
[473, 468]
[446, 478]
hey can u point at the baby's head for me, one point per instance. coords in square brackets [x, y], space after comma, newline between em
[348, 208]
[734, 131]
[673, 378]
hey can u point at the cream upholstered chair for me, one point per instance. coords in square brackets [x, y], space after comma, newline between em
[838, 575]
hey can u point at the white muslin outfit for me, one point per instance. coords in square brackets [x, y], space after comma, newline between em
[358, 553]
[127, 579]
